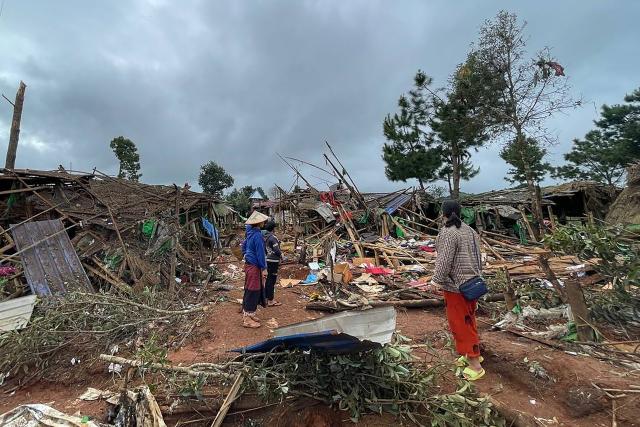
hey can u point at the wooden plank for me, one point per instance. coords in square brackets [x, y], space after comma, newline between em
[228, 401]
[22, 190]
[526, 223]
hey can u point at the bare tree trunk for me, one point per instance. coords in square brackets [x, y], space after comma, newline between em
[421, 183]
[14, 136]
[455, 172]
[536, 197]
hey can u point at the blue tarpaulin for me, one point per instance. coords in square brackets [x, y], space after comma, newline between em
[326, 341]
[397, 202]
[211, 231]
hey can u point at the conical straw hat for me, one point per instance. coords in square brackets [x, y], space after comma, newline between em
[256, 218]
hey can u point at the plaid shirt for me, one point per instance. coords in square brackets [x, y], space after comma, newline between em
[458, 259]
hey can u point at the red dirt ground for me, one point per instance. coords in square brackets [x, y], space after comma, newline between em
[508, 379]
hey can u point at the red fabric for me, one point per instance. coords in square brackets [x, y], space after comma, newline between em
[461, 315]
[427, 248]
[328, 197]
[252, 277]
[378, 270]
[559, 69]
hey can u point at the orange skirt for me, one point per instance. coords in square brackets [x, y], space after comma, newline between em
[461, 315]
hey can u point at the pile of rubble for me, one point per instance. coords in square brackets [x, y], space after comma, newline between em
[63, 230]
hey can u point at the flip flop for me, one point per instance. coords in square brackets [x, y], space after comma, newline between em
[463, 361]
[471, 375]
[274, 304]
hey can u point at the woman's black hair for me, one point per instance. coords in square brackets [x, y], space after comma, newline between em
[451, 209]
[270, 225]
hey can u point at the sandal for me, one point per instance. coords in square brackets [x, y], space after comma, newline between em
[471, 375]
[274, 304]
[463, 361]
[248, 322]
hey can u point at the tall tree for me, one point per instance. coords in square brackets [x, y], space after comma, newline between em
[530, 89]
[604, 153]
[533, 160]
[460, 122]
[240, 200]
[127, 154]
[214, 179]
[410, 154]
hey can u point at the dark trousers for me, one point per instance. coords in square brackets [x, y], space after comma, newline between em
[272, 277]
[250, 300]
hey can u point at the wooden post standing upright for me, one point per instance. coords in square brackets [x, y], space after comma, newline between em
[14, 136]
[580, 311]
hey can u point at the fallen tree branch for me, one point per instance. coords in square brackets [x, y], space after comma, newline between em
[162, 367]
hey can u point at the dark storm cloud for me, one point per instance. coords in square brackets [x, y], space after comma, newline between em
[238, 81]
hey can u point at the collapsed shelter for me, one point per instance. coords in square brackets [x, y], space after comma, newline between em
[125, 233]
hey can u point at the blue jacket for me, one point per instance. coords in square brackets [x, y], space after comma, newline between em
[253, 248]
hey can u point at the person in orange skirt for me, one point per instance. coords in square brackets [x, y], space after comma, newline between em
[459, 260]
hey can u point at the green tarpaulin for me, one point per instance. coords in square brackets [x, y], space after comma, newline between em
[468, 215]
[149, 228]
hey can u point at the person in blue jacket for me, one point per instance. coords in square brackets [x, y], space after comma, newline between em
[255, 265]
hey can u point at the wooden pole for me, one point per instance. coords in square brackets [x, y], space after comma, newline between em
[14, 135]
[543, 262]
[343, 168]
[509, 293]
[532, 235]
[355, 193]
[553, 221]
[228, 401]
[579, 309]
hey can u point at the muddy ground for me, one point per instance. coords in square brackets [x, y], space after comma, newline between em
[566, 398]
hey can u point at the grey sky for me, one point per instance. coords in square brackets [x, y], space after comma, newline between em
[237, 81]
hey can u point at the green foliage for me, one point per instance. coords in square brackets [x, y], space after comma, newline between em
[619, 260]
[239, 199]
[462, 123]
[530, 91]
[605, 152]
[152, 351]
[431, 138]
[91, 323]
[529, 154]
[375, 381]
[214, 179]
[410, 153]
[192, 387]
[127, 154]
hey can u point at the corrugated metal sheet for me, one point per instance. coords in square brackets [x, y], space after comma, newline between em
[377, 325]
[396, 202]
[325, 212]
[52, 265]
[15, 313]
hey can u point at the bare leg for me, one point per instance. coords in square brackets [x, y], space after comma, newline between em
[474, 363]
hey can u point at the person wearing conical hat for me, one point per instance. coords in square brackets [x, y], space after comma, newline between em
[255, 264]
